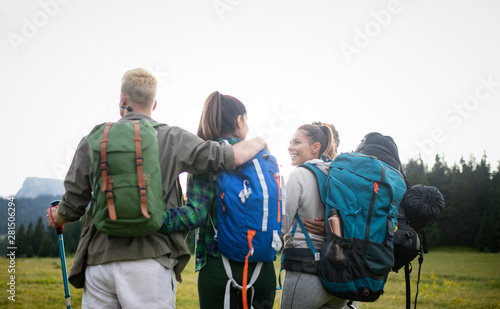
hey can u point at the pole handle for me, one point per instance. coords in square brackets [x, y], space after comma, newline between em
[59, 229]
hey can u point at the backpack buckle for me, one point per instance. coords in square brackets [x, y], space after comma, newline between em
[109, 194]
[103, 165]
[139, 161]
[316, 257]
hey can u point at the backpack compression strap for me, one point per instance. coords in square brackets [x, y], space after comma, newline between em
[141, 177]
[308, 238]
[233, 283]
[250, 236]
[245, 284]
[408, 269]
[106, 185]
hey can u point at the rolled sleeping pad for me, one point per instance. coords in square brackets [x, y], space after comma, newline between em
[422, 205]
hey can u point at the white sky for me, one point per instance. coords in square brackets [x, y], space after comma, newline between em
[425, 72]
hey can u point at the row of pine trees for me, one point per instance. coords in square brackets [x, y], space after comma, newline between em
[471, 216]
[472, 195]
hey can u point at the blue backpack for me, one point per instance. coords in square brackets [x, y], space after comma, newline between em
[366, 193]
[249, 213]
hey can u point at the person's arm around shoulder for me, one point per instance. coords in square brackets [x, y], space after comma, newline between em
[192, 154]
[245, 150]
[200, 193]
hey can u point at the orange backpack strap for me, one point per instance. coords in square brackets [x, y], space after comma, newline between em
[106, 182]
[141, 177]
[250, 236]
[245, 285]
[243, 288]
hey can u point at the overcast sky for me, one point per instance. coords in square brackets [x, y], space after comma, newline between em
[425, 72]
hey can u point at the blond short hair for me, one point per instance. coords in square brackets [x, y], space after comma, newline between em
[140, 86]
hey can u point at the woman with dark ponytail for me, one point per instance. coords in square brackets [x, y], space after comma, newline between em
[302, 288]
[223, 117]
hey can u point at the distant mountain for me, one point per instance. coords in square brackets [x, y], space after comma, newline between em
[28, 210]
[34, 187]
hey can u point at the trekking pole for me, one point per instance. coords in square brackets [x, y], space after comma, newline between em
[63, 260]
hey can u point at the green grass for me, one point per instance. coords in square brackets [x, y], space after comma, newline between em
[450, 278]
[39, 284]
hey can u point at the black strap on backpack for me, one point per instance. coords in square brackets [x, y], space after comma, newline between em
[408, 269]
[420, 260]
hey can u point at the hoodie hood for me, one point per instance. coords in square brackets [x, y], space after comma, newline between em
[382, 147]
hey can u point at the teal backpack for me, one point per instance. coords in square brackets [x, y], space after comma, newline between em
[366, 193]
[127, 185]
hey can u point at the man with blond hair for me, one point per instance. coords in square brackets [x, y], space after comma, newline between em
[137, 272]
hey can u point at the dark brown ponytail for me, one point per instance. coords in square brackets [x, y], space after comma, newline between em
[219, 116]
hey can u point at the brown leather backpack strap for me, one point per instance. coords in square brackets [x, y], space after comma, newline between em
[104, 162]
[141, 177]
[106, 182]
[111, 199]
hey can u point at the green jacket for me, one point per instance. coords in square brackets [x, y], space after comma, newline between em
[180, 151]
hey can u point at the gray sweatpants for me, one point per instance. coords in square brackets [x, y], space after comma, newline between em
[305, 291]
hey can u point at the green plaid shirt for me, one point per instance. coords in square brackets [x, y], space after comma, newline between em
[201, 201]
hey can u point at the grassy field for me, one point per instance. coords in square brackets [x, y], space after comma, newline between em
[451, 278]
